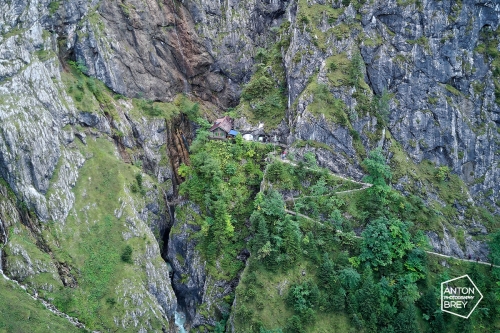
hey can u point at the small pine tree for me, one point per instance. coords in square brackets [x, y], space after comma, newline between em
[437, 324]
[261, 237]
[382, 105]
[379, 173]
[349, 278]
[428, 302]
[127, 254]
[291, 238]
[222, 227]
[293, 325]
[406, 321]
[326, 273]
[368, 296]
[273, 205]
[356, 70]
[494, 244]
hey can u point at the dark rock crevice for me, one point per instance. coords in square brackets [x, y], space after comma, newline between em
[187, 272]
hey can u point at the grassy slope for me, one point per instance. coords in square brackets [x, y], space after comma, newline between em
[268, 306]
[20, 313]
[91, 240]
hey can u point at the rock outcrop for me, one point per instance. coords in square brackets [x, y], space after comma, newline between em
[431, 60]
[200, 295]
[43, 147]
[144, 49]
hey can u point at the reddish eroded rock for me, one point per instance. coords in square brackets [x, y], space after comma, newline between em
[151, 50]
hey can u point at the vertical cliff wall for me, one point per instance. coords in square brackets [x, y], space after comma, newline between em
[418, 78]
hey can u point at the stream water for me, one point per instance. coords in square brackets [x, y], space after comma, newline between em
[180, 319]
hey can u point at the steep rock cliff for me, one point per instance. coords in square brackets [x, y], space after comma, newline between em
[433, 61]
[429, 59]
[51, 155]
[140, 49]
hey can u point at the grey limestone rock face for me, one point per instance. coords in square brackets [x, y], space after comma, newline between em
[449, 246]
[189, 275]
[194, 286]
[40, 159]
[233, 31]
[432, 79]
[427, 58]
[424, 55]
[442, 106]
[137, 48]
[33, 111]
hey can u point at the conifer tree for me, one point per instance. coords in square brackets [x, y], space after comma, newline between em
[437, 324]
[406, 321]
[222, 228]
[326, 273]
[349, 278]
[291, 238]
[379, 173]
[368, 296]
[261, 237]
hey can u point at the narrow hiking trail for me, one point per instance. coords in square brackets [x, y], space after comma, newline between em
[429, 252]
[364, 187]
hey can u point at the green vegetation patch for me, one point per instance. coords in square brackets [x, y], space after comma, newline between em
[91, 95]
[338, 69]
[21, 313]
[334, 109]
[222, 179]
[306, 276]
[44, 55]
[311, 17]
[45, 279]
[166, 110]
[261, 301]
[92, 239]
[324, 103]
[488, 46]
[452, 90]
[313, 189]
[373, 41]
[264, 98]
[81, 87]
[422, 41]
[312, 143]
[448, 187]
[54, 6]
